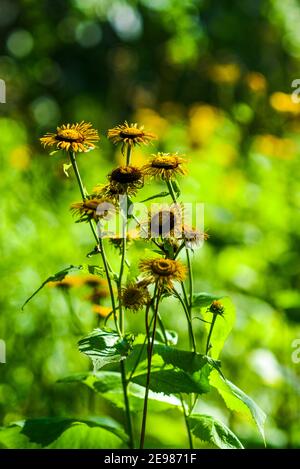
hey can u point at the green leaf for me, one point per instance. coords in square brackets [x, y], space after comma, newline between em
[173, 381]
[222, 328]
[104, 346]
[172, 336]
[93, 269]
[209, 429]
[156, 196]
[58, 277]
[176, 188]
[236, 400]
[59, 432]
[109, 385]
[66, 167]
[204, 299]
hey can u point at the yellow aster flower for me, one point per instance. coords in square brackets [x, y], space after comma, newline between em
[135, 296]
[129, 134]
[164, 223]
[165, 165]
[93, 208]
[163, 271]
[126, 179]
[72, 137]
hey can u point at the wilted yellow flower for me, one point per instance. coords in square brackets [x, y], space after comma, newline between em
[165, 222]
[256, 82]
[135, 296]
[126, 180]
[282, 102]
[93, 208]
[163, 271]
[129, 134]
[73, 137]
[193, 237]
[165, 165]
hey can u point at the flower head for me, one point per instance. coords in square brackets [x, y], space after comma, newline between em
[165, 165]
[165, 223]
[93, 208]
[193, 237]
[163, 271]
[67, 282]
[72, 137]
[216, 308]
[135, 296]
[129, 134]
[126, 180]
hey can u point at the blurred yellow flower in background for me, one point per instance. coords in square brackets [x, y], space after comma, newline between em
[272, 146]
[282, 102]
[204, 120]
[225, 73]
[256, 82]
[20, 157]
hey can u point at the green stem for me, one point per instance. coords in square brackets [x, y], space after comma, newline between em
[127, 405]
[82, 190]
[191, 282]
[150, 352]
[210, 333]
[128, 155]
[187, 423]
[192, 337]
[171, 191]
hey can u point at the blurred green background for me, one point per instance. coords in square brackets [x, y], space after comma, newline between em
[213, 80]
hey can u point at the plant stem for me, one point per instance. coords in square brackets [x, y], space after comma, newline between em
[187, 423]
[192, 337]
[210, 333]
[81, 188]
[150, 351]
[127, 406]
[191, 282]
[128, 155]
[171, 191]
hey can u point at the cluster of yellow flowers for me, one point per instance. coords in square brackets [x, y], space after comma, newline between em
[126, 180]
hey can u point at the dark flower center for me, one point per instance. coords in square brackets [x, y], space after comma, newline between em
[69, 135]
[165, 162]
[163, 222]
[163, 267]
[126, 174]
[131, 132]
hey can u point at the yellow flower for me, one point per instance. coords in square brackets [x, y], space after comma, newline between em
[72, 137]
[126, 179]
[135, 296]
[282, 102]
[216, 308]
[93, 208]
[103, 311]
[163, 271]
[165, 165]
[165, 223]
[129, 134]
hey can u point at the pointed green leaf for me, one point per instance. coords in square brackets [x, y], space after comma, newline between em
[156, 196]
[104, 346]
[58, 277]
[66, 167]
[236, 400]
[109, 385]
[204, 299]
[211, 430]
